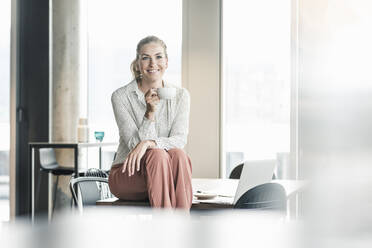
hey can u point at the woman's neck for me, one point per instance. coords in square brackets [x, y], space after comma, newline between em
[144, 86]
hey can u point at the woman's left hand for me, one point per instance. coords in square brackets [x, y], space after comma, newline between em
[133, 160]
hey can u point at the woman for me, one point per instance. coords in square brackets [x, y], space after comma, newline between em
[150, 162]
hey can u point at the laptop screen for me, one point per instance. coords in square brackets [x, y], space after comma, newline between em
[254, 173]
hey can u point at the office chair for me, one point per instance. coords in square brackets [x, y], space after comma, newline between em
[91, 186]
[237, 171]
[48, 163]
[268, 196]
[89, 189]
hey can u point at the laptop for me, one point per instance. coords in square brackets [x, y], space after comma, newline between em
[254, 173]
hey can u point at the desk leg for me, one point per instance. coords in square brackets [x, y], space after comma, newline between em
[76, 165]
[32, 153]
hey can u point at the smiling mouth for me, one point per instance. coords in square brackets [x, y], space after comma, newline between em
[153, 71]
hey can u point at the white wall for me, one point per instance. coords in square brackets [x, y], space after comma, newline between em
[201, 76]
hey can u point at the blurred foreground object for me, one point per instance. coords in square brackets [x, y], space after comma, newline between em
[134, 227]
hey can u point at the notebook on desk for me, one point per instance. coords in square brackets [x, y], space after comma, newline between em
[254, 173]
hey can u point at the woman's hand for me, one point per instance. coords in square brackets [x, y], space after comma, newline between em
[152, 99]
[133, 160]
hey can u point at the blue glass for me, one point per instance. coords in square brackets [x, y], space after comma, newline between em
[99, 135]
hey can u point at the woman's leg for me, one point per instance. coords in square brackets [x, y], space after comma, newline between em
[159, 179]
[164, 177]
[128, 188]
[181, 170]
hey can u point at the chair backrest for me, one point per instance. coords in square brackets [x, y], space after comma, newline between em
[88, 190]
[268, 196]
[237, 171]
[94, 172]
[48, 158]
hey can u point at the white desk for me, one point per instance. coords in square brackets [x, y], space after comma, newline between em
[226, 188]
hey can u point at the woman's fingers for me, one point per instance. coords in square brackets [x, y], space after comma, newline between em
[133, 160]
[130, 164]
[141, 153]
[138, 162]
[153, 102]
[152, 99]
[124, 165]
[133, 166]
[151, 94]
[154, 94]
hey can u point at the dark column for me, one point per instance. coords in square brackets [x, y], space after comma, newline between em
[32, 92]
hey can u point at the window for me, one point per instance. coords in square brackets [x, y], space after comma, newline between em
[114, 29]
[5, 10]
[256, 79]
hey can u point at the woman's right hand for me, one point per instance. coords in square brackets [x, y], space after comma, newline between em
[133, 161]
[152, 99]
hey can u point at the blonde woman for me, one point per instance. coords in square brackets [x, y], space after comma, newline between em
[150, 163]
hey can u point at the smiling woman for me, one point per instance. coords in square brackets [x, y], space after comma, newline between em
[150, 162]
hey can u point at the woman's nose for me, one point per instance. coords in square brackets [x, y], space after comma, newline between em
[152, 61]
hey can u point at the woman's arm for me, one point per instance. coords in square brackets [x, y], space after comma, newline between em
[180, 126]
[128, 130]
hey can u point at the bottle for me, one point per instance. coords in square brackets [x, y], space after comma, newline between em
[83, 131]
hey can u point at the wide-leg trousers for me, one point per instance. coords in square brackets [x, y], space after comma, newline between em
[164, 178]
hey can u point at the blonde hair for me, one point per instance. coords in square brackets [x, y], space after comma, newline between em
[133, 67]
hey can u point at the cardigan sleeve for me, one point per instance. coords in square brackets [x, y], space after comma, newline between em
[129, 132]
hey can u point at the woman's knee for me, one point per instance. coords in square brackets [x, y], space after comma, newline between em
[113, 182]
[157, 159]
[178, 153]
[156, 155]
[125, 187]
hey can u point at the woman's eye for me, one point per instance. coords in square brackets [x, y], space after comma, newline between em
[145, 58]
[159, 57]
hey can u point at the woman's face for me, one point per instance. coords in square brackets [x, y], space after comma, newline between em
[152, 62]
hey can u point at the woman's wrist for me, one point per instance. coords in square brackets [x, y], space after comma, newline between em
[151, 143]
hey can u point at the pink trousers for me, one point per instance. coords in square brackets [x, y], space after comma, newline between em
[164, 178]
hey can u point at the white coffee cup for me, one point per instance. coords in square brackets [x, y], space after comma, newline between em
[166, 93]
